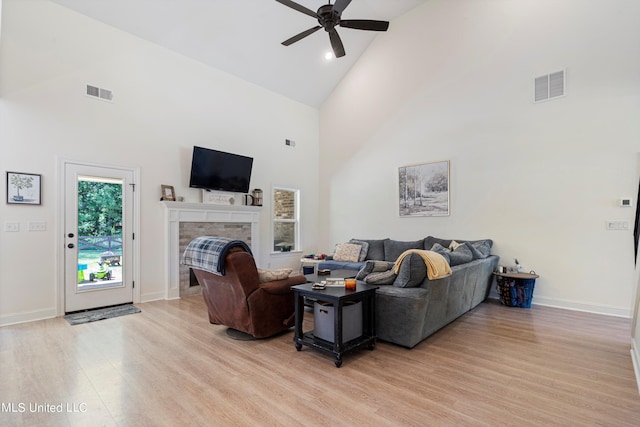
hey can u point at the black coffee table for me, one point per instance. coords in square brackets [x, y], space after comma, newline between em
[337, 296]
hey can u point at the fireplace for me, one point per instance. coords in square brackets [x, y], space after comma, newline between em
[185, 221]
[190, 230]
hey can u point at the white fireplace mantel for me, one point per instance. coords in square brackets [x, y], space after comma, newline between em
[177, 212]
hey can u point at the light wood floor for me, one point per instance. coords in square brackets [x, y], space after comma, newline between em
[168, 366]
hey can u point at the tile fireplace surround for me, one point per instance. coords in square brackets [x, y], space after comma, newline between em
[179, 212]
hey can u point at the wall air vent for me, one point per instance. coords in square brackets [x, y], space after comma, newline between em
[549, 86]
[99, 93]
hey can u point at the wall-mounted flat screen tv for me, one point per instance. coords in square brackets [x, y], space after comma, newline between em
[217, 170]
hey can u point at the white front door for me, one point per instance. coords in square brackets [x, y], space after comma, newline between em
[98, 236]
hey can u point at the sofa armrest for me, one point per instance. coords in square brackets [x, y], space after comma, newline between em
[278, 287]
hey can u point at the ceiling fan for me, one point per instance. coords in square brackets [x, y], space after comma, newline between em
[329, 17]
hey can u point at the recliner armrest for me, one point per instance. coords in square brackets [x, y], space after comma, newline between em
[283, 286]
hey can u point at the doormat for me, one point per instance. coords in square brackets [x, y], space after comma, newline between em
[101, 313]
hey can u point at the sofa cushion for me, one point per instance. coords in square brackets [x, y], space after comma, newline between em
[412, 272]
[429, 241]
[393, 248]
[347, 252]
[381, 278]
[336, 265]
[272, 275]
[376, 248]
[363, 250]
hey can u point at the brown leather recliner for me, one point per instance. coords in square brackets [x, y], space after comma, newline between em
[238, 299]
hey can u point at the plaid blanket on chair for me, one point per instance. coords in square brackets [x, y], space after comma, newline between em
[208, 253]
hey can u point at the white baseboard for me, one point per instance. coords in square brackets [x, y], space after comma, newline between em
[153, 296]
[27, 316]
[635, 358]
[608, 310]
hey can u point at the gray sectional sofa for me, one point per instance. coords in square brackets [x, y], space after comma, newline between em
[410, 306]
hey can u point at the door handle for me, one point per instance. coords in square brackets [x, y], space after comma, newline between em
[71, 246]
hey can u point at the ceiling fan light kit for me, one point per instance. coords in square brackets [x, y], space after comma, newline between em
[329, 17]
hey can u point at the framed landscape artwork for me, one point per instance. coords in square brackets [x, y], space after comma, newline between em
[424, 189]
[23, 188]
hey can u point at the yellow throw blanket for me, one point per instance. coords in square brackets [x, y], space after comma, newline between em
[437, 265]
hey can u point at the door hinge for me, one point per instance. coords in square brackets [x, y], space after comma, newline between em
[133, 236]
[133, 284]
[133, 187]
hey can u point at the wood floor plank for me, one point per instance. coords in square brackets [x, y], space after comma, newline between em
[167, 366]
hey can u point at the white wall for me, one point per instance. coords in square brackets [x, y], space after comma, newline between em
[164, 104]
[454, 81]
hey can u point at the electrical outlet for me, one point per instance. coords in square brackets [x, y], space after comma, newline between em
[37, 225]
[617, 225]
[11, 226]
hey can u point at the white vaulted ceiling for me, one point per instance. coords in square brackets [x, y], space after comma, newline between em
[243, 37]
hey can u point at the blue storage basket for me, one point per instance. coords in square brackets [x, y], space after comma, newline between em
[515, 292]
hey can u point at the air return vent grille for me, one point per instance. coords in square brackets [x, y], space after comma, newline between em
[99, 93]
[549, 86]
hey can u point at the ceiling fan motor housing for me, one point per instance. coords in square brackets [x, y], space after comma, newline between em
[328, 17]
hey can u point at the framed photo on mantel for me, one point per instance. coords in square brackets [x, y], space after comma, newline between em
[424, 189]
[168, 193]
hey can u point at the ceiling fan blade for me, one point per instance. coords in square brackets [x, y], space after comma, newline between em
[298, 7]
[336, 43]
[364, 24]
[300, 36]
[341, 5]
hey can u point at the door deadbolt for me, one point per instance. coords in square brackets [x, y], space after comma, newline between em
[70, 245]
[70, 235]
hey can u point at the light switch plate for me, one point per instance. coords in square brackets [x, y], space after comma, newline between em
[37, 226]
[617, 225]
[11, 226]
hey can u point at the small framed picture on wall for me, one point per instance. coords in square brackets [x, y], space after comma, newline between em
[24, 188]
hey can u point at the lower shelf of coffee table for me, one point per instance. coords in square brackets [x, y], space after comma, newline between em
[329, 348]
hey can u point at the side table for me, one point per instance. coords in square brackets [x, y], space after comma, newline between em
[516, 289]
[310, 262]
[337, 296]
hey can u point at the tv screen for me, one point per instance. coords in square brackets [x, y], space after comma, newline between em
[217, 170]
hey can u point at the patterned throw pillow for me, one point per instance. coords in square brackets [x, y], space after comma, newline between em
[271, 275]
[347, 252]
[382, 278]
[371, 266]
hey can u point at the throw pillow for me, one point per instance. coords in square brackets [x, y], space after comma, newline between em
[382, 278]
[481, 248]
[412, 272]
[363, 250]
[371, 266]
[347, 252]
[437, 247]
[462, 254]
[454, 245]
[271, 275]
